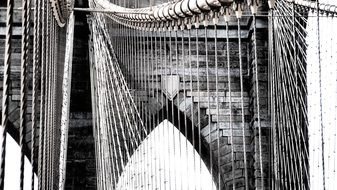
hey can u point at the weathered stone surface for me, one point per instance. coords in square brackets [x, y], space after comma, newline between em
[81, 164]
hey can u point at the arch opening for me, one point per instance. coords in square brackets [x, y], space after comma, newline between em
[166, 159]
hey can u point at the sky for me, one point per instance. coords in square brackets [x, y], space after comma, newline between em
[175, 160]
[328, 92]
[12, 169]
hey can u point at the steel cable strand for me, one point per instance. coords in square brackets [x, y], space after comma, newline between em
[178, 99]
[185, 95]
[287, 136]
[191, 86]
[277, 102]
[271, 66]
[198, 110]
[131, 85]
[120, 122]
[281, 134]
[48, 100]
[108, 134]
[320, 92]
[242, 103]
[170, 151]
[119, 94]
[98, 169]
[153, 115]
[125, 114]
[287, 115]
[158, 110]
[101, 114]
[287, 31]
[104, 122]
[5, 92]
[167, 111]
[303, 141]
[36, 77]
[42, 131]
[215, 20]
[94, 96]
[124, 104]
[295, 120]
[126, 90]
[23, 84]
[305, 150]
[163, 99]
[258, 100]
[115, 127]
[65, 109]
[142, 67]
[279, 138]
[148, 95]
[52, 115]
[208, 103]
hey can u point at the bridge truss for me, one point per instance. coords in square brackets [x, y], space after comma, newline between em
[244, 99]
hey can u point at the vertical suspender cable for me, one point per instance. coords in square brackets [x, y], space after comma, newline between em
[148, 95]
[185, 104]
[157, 60]
[238, 15]
[143, 104]
[229, 88]
[198, 93]
[36, 67]
[254, 7]
[274, 135]
[5, 98]
[171, 152]
[258, 100]
[23, 86]
[161, 47]
[320, 90]
[208, 104]
[155, 114]
[178, 99]
[273, 153]
[66, 89]
[298, 128]
[167, 176]
[215, 22]
[47, 99]
[93, 83]
[154, 123]
[189, 26]
[42, 130]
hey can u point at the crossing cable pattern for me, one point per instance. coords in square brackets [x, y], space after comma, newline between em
[294, 124]
[48, 69]
[290, 114]
[132, 92]
[171, 70]
[289, 140]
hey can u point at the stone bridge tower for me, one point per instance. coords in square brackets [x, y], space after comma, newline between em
[81, 157]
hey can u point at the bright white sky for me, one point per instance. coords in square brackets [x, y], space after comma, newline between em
[176, 162]
[12, 175]
[328, 30]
